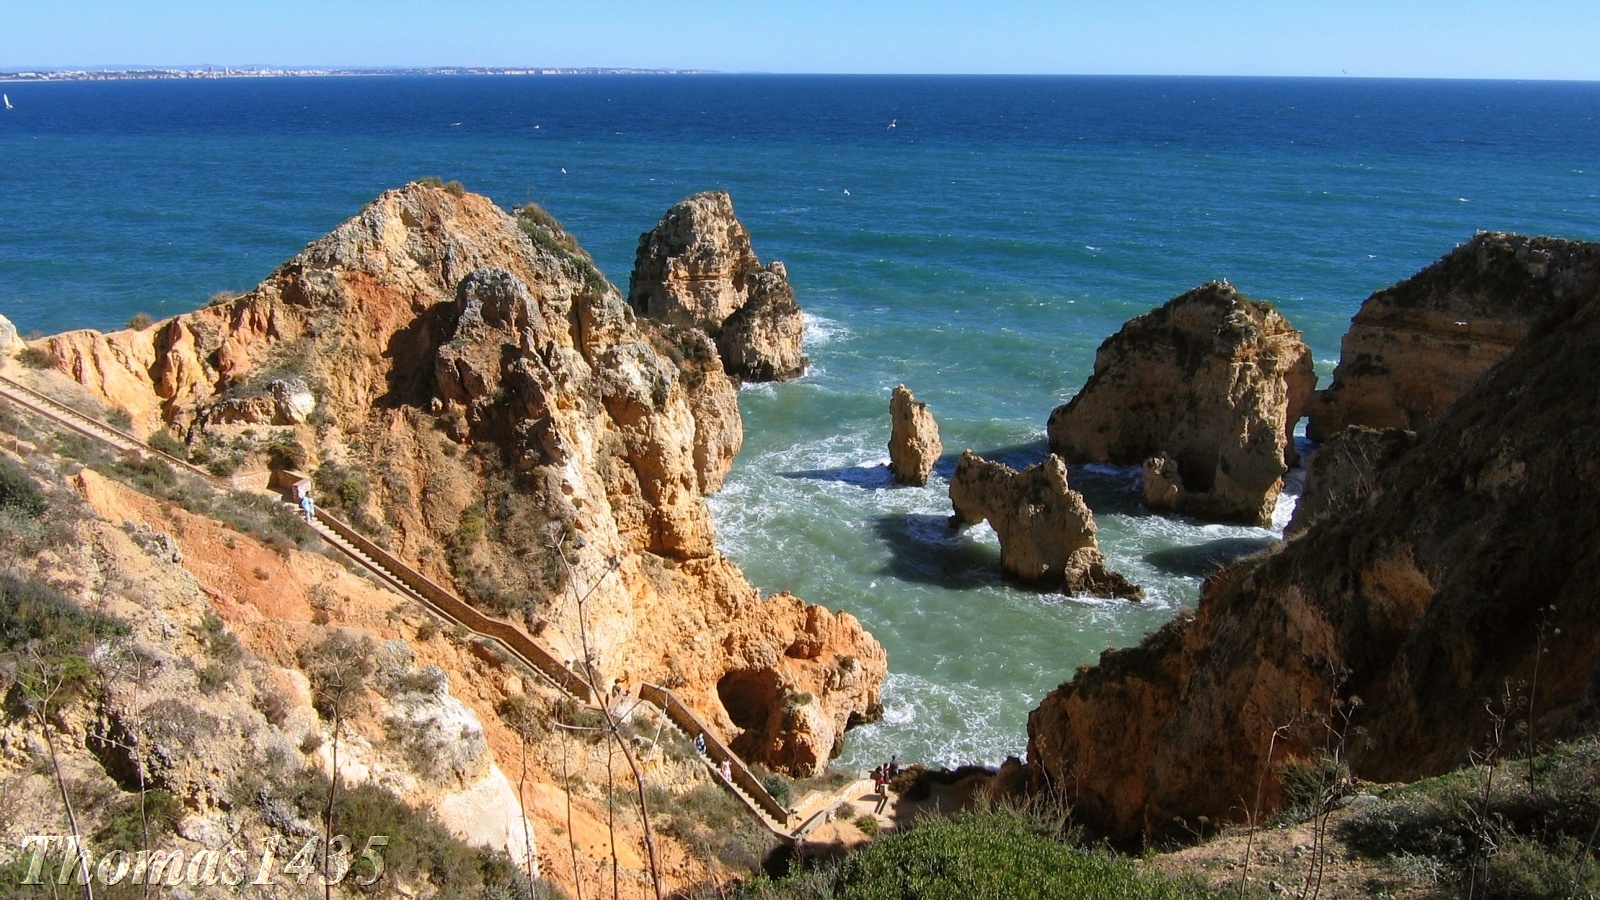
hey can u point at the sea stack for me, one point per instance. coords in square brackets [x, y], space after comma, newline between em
[697, 269]
[1205, 393]
[1415, 347]
[1047, 533]
[914, 444]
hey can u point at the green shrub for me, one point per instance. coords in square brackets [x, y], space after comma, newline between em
[455, 188]
[140, 321]
[430, 181]
[18, 492]
[36, 358]
[221, 297]
[777, 786]
[161, 812]
[284, 452]
[991, 854]
[419, 845]
[166, 442]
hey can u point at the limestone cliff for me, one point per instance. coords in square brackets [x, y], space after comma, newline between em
[1341, 472]
[1461, 587]
[914, 444]
[1047, 534]
[1415, 347]
[487, 403]
[697, 269]
[1205, 392]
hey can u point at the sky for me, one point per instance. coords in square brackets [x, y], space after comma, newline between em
[1535, 39]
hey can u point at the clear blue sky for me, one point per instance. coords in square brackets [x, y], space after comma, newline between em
[1405, 38]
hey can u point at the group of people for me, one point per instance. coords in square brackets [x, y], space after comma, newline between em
[882, 775]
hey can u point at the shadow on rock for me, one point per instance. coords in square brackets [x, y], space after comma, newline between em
[1201, 560]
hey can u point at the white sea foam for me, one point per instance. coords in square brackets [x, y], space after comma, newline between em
[821, 331]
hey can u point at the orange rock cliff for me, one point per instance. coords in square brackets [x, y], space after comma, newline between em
[468, 387]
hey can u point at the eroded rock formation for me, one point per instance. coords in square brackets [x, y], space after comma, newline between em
[1205, 392]
[1047, 533]
[914, 444]
[1341, 472]
[1413, 348]
[696, 269]
[489, 401]
[1469, 566]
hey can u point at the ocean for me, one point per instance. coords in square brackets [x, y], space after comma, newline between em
[972, 238]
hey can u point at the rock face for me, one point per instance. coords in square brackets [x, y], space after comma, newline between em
[1449, 581]
[696, 269]
[1205, 392]
[492, 404]
[10, 342]
[1413, 348]
[1047, 534]
[1342, 471]
[914, 444]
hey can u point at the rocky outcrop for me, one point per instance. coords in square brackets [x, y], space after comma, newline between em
[1205, 393]
[914, 444]
[1451, 594]
[696, 269]
[1047, 533]
[497, 410]
[1341, 472]
[1413, 348]
[10, 342]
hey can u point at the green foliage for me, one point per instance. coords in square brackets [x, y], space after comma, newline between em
[18, 492]
[162, 811]
[778, 786]
[341, 487]
[140, 321]
[221, 297]
[1310, 785]
[869, 824]
[36, 358]
[991, 854]
[1527, 841]
[168, 443]
[338, 668]
[712, 823]
[284, 452]
[455, 188]
[48, 639]
[548, 234]
[420, 846]
[431, 181]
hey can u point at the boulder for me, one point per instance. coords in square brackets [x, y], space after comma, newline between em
[697, 269]
[1415, 347]
[10, 341]
[1047, 533]
[1205, 392]
[914, 444]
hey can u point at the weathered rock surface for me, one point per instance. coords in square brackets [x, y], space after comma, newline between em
[1047, 533]
[1470, 564]
[10, 342]
[697, 269]
[914, 444]
[519, 434]
[1205, 392]
[1413, 348]
[1341, 472]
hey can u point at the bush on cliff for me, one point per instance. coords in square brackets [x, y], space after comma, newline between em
[988, 853]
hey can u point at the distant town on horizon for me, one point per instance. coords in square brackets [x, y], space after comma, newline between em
[142, 73]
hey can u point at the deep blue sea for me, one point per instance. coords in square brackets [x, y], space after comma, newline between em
[978, 250]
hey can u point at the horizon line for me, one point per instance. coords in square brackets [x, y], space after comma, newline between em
[227, 70]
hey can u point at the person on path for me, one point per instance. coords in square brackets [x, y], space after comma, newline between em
[700, 743]
[308, 507]
[727, 771]
[894, 767]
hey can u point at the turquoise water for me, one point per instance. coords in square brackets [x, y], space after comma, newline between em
[978, 252]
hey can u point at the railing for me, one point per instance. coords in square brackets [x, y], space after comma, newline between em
[682, 716]
[417, 586]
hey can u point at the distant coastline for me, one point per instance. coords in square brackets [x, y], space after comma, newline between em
[216, 72]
